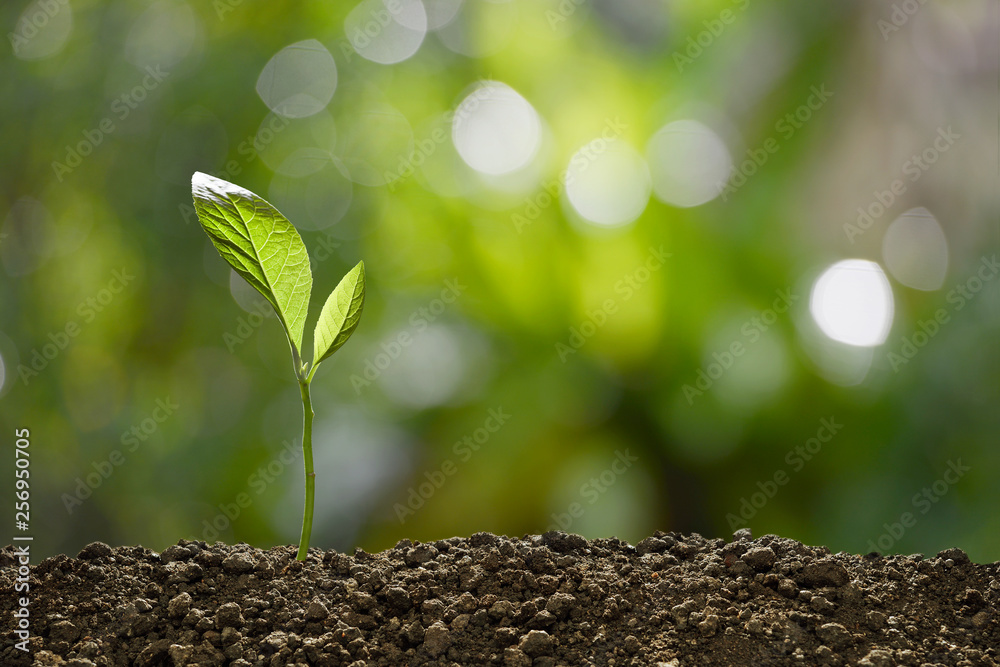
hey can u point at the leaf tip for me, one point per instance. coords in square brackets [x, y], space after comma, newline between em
[200, 179]
[206, 186]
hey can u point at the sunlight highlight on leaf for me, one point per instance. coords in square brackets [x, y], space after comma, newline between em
[268, 253]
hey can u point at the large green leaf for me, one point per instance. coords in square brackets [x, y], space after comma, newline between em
[340, 315]
[260, 244]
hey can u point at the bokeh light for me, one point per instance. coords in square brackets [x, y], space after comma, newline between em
[915, 250]
[248, 298]
[441, 12]
[480, 28]
[688, 162]
[295, 147]
[387, 31]
[163, 35]
[431, 374]
[837, 363]
[315, 201]
[607, 183]
[852, 303]
[42, 30]
[299, 80]
[495, 130]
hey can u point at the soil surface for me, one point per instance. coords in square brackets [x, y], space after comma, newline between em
[554, 599]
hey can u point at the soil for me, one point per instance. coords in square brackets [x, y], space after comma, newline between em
[554, 599]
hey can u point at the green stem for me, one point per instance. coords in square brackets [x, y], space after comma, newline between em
[307, 456]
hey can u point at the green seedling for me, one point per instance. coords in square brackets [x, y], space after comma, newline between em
[264, 248]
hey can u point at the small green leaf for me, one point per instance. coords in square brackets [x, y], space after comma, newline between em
[340, 314]
[260, 244]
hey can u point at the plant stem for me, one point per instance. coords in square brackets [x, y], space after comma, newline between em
[307, 456]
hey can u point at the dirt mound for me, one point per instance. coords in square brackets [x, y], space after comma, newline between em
[554, 599]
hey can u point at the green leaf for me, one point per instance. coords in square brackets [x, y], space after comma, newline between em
[340, 314]
[260, 244]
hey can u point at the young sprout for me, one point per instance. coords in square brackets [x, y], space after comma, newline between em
[263, 247]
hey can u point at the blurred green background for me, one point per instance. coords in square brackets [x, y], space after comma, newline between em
[603, 243]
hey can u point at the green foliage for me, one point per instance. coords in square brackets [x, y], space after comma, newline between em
[260, 244]
[340, 315]
[263, 247]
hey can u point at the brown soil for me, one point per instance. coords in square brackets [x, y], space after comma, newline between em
[555, 599]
